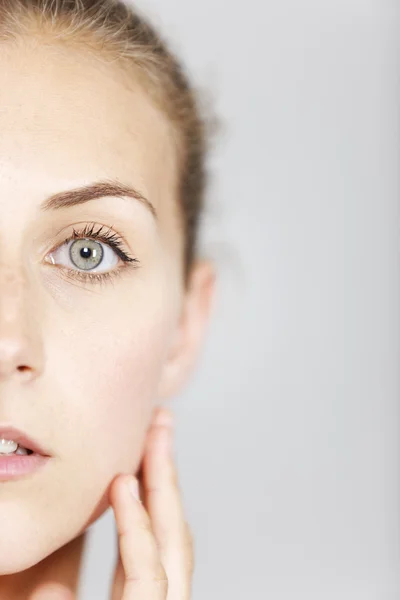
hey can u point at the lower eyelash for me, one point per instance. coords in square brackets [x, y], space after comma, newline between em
[93, 277]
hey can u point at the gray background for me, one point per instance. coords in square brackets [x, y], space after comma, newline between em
[288, 434]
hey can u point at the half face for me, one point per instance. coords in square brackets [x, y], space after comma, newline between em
[94, 346]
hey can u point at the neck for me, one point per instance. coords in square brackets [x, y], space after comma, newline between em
[63, 566]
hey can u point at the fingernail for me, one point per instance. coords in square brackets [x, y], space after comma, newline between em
[134, 488]
[164, 417]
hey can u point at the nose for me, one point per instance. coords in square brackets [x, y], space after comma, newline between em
[21, 351]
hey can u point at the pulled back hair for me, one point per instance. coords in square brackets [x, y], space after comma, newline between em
[116, 32]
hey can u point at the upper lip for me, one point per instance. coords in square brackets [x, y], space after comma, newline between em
[21, 438]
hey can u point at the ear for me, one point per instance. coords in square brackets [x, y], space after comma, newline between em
[195, 315]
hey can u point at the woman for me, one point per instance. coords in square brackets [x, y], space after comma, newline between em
[103, 298]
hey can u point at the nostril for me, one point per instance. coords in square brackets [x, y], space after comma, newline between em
[23, 368]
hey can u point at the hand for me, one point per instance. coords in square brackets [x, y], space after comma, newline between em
[155, 549]
[156, 560]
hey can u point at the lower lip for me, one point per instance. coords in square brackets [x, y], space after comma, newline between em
[20, 465]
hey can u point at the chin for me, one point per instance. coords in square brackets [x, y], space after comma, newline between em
[19, 554]
[24, 541]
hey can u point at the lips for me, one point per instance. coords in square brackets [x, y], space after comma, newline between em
[21, 438]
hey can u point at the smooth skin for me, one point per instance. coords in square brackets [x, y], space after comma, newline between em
[156, 555]
[84, 365]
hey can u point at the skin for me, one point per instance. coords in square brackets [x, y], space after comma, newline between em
[155, 544]
[99, 359]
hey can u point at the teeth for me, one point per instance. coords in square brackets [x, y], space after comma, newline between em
[11, 447]
[7, 446]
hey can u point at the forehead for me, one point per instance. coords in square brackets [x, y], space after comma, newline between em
[67, 120]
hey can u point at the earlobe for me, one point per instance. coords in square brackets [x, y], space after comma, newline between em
[196, 313]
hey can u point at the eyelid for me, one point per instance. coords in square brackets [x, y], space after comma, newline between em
[98, 232]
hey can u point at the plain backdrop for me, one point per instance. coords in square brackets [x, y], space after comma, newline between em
[287, 437]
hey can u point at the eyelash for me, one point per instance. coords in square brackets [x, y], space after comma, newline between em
[113, 240]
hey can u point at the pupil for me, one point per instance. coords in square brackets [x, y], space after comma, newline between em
[85, 252]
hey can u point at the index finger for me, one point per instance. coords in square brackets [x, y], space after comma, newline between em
[145, 576]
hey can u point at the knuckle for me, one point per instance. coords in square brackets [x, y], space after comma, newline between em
[146, 528]
[157, 576]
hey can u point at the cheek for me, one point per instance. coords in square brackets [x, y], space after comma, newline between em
[106, 388]
[126, 377]
[100, 390]
[112, 381]
[97, 392]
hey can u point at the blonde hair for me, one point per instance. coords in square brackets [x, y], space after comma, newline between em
[117, 32]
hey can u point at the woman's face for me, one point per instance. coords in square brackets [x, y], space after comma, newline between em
[95, 352]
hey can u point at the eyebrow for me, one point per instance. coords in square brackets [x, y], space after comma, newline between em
[99, 189]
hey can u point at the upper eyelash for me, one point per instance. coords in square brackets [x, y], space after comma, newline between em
[114, 241]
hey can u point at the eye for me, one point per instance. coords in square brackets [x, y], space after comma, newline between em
[86, 255]
[92, 256]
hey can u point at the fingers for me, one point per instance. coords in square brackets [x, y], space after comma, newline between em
[155, 542]
[162, 499]
[144, 574]
[52, 591]
[118, 580]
